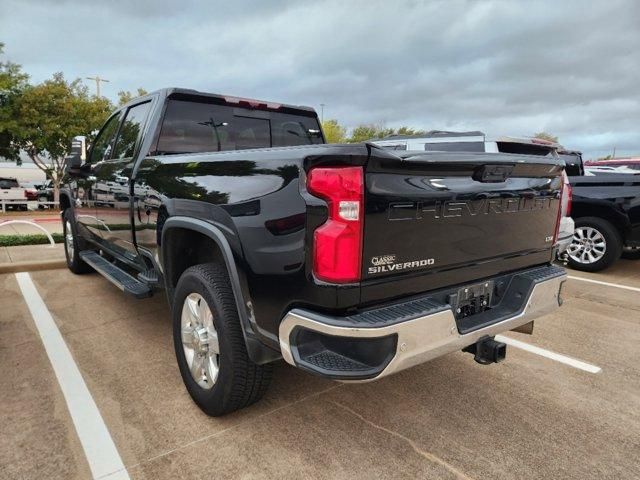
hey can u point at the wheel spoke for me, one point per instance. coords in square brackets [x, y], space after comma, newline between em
[194, 310]
[196, 367]
[204, 314]
[212, 341]
[187, 336]
[211, 370]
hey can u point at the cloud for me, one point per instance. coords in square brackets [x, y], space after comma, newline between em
[570, 68]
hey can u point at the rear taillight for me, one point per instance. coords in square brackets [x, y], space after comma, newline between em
[567, 195]
[565, 203]
[337, 243]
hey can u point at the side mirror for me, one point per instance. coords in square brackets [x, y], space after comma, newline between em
[74, 160]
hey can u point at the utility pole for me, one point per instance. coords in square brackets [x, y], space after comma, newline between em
[97, 79]
[322, 112]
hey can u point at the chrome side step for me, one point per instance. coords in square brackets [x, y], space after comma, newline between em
[117, 276]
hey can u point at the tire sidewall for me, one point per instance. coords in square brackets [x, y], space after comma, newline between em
[191, 282]
[612, 240]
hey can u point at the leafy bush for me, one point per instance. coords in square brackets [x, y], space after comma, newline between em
[32, 239]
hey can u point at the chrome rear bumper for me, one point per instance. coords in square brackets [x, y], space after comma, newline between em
[418, 339]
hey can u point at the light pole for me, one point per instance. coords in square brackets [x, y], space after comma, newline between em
[322, 112]
[212, 123]
[97, 79]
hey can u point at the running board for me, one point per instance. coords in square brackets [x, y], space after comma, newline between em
[115, 275]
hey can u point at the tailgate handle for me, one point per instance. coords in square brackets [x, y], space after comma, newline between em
[492, 173]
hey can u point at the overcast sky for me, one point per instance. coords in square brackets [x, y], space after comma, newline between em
[504, 67]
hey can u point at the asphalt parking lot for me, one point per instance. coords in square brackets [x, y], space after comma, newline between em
[529, 417]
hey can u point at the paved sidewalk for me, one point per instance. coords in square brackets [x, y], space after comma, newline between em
[31, 253]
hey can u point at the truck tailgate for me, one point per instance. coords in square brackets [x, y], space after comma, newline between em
[439, 219]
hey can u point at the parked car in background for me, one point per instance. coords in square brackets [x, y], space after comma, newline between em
[473, 141]
[573, 163]
[630, 163]
[350, 262]
[45, 195]
[592, 170]
[606, 210]
[477, 141]
[12, 195]
[31, 190]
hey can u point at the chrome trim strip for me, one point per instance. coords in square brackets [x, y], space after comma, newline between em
[428, 337]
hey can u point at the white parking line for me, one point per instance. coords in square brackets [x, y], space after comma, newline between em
[99, 449]
[587, 367]
[606, 284]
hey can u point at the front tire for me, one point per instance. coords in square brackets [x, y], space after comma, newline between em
[596, 245]
[73, 245]
[210, 346]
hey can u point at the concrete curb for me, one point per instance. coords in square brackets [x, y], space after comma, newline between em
[32, 266]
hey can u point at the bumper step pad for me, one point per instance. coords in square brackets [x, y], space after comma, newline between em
[332, 361]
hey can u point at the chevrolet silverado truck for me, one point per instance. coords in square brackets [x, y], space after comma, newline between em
[347, 261]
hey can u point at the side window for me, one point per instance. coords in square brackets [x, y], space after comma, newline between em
[102, 145]
[191, 127]
[130, 130]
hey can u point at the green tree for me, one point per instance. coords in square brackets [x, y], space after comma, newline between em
[371, 131]
[49, 115]
[333, 131]
[410, 131]
[546, 136]
[13, 81]
[124, 96]
[362, 133]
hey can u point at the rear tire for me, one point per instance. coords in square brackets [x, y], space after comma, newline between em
[224, 379]
[596, 245]
[73, 244]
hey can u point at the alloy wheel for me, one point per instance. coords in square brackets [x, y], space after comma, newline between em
[200, 341]
[588, 245]
[68, 239]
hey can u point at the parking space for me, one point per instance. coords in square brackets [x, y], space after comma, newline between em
[530, 417]
[37, 437]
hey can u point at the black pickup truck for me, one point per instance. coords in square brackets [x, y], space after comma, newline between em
[348, 261]
[606, 211]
